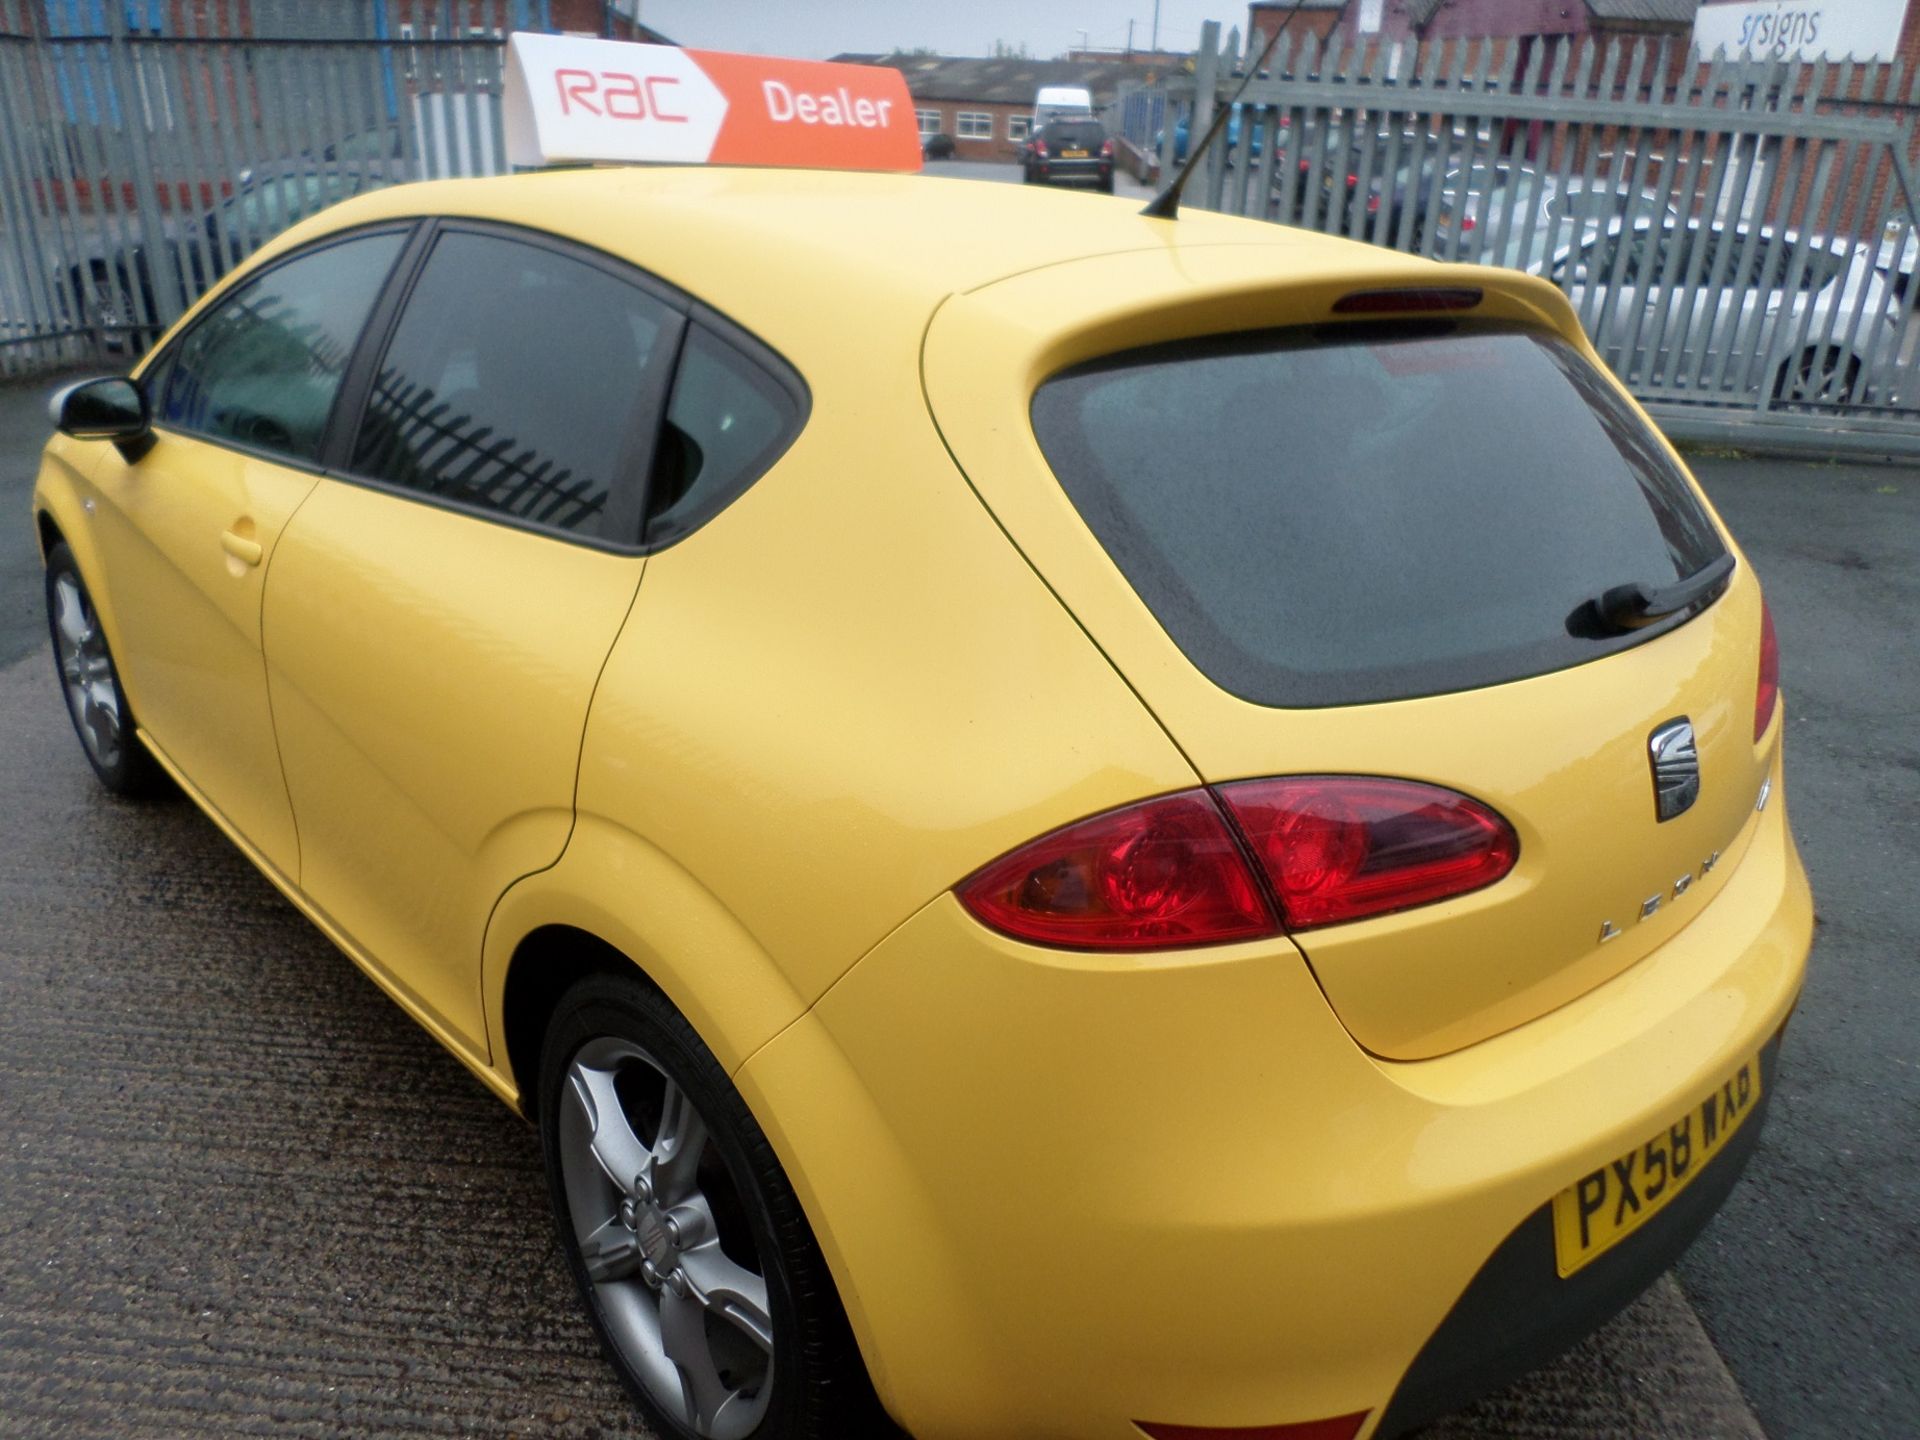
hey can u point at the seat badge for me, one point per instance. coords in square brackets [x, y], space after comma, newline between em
[1676, 768]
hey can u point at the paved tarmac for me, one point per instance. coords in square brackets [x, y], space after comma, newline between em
[240, 1193]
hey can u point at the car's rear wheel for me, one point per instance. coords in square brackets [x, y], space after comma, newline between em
[96, 702]
[112, 312]
[1821, 376]
[698, 1269]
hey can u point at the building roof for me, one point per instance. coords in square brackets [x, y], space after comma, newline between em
[1643, 12]
[997, 81]
[1651, 12]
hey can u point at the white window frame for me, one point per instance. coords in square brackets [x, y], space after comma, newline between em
[973, 125]
[928, 121]
[1019, 127]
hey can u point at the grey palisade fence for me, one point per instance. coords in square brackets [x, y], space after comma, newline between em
[1738, 236]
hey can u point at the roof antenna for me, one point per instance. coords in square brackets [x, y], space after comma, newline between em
[1166, 205]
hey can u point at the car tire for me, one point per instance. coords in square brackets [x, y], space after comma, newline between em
[111, 312]
[699, 1271]
[1820, 376]
[90, 683]
[1106, 185]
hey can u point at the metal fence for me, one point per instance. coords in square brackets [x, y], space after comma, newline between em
[1738, 237]
[137, 167]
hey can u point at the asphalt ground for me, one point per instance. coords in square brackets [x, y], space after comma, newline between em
[240, 1193]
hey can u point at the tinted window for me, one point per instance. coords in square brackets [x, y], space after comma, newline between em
[728, 421]
[264, 365]
[1377, 514]
[515, 382]
[1087, 135]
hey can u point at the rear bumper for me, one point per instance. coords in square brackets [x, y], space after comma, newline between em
[1063, 1193]
[1518, 1313]
[1073, 172]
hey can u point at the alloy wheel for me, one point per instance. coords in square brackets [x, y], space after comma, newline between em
[660, 1225]
[86, 672]
[1822, 379]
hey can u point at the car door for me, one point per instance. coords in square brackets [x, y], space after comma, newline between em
[441, 609]
[241, 402]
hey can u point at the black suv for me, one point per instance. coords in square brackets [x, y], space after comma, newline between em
[1071, 152]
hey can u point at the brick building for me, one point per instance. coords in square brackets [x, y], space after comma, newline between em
[986, 105]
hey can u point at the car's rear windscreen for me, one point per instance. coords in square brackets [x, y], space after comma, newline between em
[1348, 514]
[1088, 135]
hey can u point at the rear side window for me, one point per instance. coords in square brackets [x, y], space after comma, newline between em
[1364, 514]
[519, 381]
[729, 418]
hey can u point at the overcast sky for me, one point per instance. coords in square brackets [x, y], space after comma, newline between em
[815, 29]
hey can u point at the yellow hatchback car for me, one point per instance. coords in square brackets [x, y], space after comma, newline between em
[1072, 825]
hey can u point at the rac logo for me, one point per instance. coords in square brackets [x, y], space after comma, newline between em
[618, 96]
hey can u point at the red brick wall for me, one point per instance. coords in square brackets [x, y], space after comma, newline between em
[999, 148]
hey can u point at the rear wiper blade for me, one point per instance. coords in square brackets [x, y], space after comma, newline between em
[1625, 608]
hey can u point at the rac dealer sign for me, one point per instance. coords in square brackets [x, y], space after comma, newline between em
[570, 100]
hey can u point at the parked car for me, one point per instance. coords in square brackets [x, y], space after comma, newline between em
[1709, 305]
[1070, 152]
[116, 289]
[1185, 836]
[937, 147]
[1230, 140]
[1526, 215]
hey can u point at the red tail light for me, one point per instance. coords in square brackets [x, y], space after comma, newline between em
[1106, 149]
[1160, 875]
[1467, 222]
[1170, 873]
[1394, 302]
[1040, 149]
[1340, 847]
[1767, 696]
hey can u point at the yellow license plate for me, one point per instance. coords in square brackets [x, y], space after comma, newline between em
[1073, 154]
[1600, 1210]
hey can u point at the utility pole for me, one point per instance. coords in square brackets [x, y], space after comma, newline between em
[1155, 45]
[1129, 39]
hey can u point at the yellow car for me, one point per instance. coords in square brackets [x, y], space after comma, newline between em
[1072, 825]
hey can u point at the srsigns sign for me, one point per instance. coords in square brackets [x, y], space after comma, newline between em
[571, 100]
[1800, 29]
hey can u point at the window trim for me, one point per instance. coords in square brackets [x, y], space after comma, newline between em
[164, 356]
[1025, 122]
[920, 119]
[960, 119]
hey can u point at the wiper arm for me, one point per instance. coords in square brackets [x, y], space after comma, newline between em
[1625, 608]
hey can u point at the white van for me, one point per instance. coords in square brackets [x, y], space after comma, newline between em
[1061, 102]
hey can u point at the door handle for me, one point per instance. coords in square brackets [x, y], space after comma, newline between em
[246, 551]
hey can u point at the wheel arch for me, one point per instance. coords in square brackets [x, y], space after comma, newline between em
[60, 494]
[546, 964]
[48, 530]
[616, 903]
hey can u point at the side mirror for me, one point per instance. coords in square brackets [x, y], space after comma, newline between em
[109, 409]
